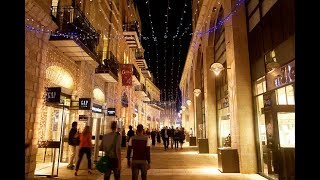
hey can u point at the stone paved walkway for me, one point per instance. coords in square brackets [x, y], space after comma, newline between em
[180, 164]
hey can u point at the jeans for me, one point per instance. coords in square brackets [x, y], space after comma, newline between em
[166, 142]
[87, 151]
[135, 167]
[72, 151]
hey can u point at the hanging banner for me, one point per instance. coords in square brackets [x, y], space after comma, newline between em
[126, 73]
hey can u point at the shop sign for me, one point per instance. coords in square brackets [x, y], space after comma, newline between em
[281, 76]
[83, 118]
[84, 103]
[111, 111]
[96, 108]
[53, 94]
[126, 74]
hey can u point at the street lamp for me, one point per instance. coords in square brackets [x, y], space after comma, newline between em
[197, 92]
[188, 102]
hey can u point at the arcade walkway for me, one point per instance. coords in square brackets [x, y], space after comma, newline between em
[181, 164]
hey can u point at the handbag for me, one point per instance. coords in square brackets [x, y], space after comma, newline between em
[104, 162]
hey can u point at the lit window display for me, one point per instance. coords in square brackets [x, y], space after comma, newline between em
[286, 123]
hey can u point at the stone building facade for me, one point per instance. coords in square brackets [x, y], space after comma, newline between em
[241, 61]
[228, 46]
[81, 65]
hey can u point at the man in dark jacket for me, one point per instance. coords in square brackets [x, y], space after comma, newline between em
[130, 133]
[73, 141]
[140, 145]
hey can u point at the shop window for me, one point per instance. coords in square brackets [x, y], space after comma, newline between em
[251, 6]
[290, 94]
[267, 5]
[260, 86]
[254, 19]
[281, 96]
[286, 123]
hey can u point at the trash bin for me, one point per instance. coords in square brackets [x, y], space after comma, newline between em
[228, 160]
[193, 141]
[203, 145]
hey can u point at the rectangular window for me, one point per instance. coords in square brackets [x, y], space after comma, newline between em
[281, 96]
[286, 124]
[251, 6]
[290, 94]
[260, 86]
[267, 5]
[254, 19]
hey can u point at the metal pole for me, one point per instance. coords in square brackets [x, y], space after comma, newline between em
[61, 139]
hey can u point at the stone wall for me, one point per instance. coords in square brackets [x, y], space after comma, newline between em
[36, 45]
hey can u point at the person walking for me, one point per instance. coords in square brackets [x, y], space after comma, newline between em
[124, 138]
[182, 137]
[158, 136]
[115, 153]
[140, 145]
[153, 137]
[85, 148]
[165, 137]
[176, 138]
[130, 133]
[73, 141]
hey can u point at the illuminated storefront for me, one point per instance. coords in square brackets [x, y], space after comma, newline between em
[52, 146]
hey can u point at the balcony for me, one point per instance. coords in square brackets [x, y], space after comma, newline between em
[139, 54]
[135, 76]
[146, 73]
[109, 69]
[75, 36]
[140, 90]
[147, 97]
[132, 35]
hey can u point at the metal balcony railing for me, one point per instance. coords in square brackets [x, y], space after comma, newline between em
[131, 26]
[110, 63]
[139, 53]
[136, 73]
[141, 87]
[73, 24]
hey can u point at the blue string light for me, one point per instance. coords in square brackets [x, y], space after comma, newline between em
[227, 18]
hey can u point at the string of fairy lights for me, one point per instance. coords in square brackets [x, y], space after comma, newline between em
[90, 35]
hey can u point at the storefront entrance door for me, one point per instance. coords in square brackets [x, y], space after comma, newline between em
[50, 147]
[278, 153]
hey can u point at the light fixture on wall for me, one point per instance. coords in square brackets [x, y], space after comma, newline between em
[188, 102]
[216, 68]
[197, 92]
[183, 108]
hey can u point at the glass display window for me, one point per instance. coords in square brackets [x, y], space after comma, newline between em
[286, 125]
[285, 95]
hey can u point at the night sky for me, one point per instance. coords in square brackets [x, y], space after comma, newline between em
[171, 45]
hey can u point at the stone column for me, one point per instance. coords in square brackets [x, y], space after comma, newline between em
[35, 63]
[197, 100]
[210, 101]
[239, 87]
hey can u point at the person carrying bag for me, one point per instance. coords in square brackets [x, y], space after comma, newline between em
[111, 143]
